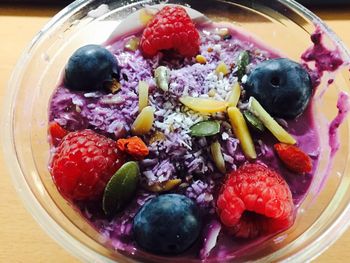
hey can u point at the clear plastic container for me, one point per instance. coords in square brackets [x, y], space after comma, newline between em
[283, 25]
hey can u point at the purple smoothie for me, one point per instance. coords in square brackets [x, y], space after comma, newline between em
[113, 114]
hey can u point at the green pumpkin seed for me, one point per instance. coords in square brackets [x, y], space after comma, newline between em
[253, 121]
[243, 61]
[205, 128]
[120, 188]
[218, 158]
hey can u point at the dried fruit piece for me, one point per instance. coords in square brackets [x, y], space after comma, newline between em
[56, 132]
[281, 134]
[133, 146]
[241, 131]
[120, 188]
[164, 187]
[204, 105]
[144, 121]
[253, 121]
[143, 95]
[234, 95]
[243, 62]
[294, 158]
[218, 158]
[222, 69]
[205, 128]
[133, 44]
[162, 77]
[201, 59]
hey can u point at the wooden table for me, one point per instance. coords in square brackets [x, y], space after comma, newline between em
[21, 239]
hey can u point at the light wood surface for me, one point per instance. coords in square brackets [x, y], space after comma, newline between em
[21, 239]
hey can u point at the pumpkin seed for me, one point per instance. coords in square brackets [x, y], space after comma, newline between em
[217, 156]
[253, 121]
[243, 62]
[164, 187]
[162, 77]
[277, 130]
[205, 128]
[120, 188]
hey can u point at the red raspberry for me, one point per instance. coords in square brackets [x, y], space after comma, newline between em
[171, 28]
[255, 200]
[83, 164]
[56, 133]
[294, 158]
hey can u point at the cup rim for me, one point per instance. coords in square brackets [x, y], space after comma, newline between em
[59, 234]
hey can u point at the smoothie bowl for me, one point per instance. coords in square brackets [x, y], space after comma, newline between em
[183, 133]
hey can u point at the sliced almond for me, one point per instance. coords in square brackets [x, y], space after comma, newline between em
[143, 95]
[241, 131]
[204, 105]
[164, 187]
[234, 95]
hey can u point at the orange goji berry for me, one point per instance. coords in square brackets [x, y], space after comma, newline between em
[57, 132]
[133, 146]
[294, 158]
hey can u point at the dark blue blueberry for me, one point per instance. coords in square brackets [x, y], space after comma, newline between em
[90, 68]
[167, 224]
[283, 87]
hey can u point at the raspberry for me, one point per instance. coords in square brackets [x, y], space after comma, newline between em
[83, 164]
[56, 133]
[171, 28]
[255, 200]
[294, 158]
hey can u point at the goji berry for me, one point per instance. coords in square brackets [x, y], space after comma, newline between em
[133, 146]
[294, 158]
[57, 133]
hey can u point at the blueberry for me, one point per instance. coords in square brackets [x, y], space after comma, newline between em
[167, 224]
[283, 87]
[90, 68]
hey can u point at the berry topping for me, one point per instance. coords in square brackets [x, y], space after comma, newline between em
[294, 158]
[255, 200]
[133, 146]
[171, 28]
[167, 224]
[56, 132]
[283, 87]
[83, 164]
[91, 67]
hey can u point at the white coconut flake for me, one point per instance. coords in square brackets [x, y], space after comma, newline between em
[244, 79]
[225, 136]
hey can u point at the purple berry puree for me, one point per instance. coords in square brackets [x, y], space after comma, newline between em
[113, 114]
